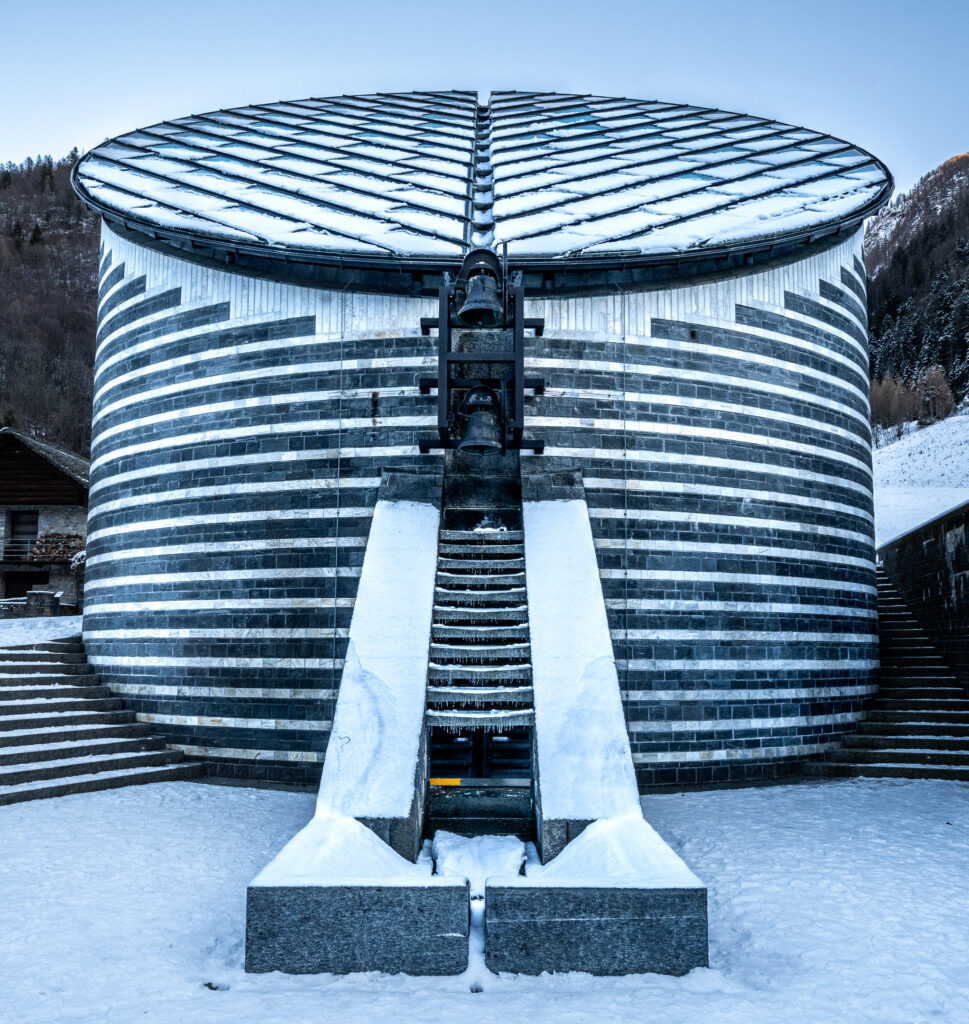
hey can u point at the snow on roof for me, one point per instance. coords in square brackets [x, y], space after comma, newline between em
[426, 175]
[69, 463]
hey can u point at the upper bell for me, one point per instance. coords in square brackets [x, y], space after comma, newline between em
[482, 305]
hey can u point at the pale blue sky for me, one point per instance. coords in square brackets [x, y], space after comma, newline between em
[889, 76]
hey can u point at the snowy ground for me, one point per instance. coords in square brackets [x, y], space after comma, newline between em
[829, 902]
[921, 476]
[31, 631]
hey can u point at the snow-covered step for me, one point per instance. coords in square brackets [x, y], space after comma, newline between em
[27, 753]
[45, 665]
[31, 691]
[464, 654]
[452, 578]
[888, 769]
[483, 536]
[479, 694]
[51, 706]
[99, 780]
[466, 551]
[467, 597]
[481, 567]
[906, 755]
[489, 633]
[82, 764]
[493, 613]
[490, 718]
[124, 726]
[522, 672]
[62, 657]
[46, 679]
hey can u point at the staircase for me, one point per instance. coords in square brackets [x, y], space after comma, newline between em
[479, 694]
[918, 723]
[62, 732]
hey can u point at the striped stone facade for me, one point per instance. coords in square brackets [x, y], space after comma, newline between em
[240, 426]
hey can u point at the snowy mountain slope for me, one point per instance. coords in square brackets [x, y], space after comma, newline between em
[921, 476]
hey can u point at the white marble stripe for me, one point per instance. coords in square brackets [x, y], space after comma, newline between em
[637, 515]
[232, 489]
[670, 488]
[315, 633]
[737, 466]
[690, 547]
[261, 402]
[814, 322]
[266, 516]
[841, 665]
[231, 692]
[246, 754]
[229, 352]
[674, 429]
[157, 661]
[225, 576]
[796, 750]
[285, 458]
[150, 292]
[282, 544]
[743, 636]
[767, 607]
[217, 604]
[679, 402]
[785, 693]
[751, 579]
[302, 725]
[254, 430]
[779, 338]
[269, 373]
[620, 369]
[729, 724]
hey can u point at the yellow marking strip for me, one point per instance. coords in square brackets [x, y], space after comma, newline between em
[445, 782]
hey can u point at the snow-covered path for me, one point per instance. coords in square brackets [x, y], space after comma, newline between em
[830, 902]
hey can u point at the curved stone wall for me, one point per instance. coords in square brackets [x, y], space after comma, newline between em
[239, 431]
[240, 426]
[723, 432]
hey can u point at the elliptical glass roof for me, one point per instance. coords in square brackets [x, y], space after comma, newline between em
[424, 176]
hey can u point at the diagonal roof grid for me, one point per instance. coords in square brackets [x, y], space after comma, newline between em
[397, 177]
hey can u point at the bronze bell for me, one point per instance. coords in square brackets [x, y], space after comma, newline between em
[482, 410]
[482, 304]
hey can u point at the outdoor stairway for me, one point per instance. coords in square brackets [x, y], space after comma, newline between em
[479, 693]
[62, 732]
[918, 723]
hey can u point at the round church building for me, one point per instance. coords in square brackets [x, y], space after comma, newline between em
[692, 347]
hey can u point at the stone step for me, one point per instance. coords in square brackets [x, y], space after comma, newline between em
[483, 536]
[914, 706]
[72, 645]
[58, 668]
[919, 692]
[100, 780]
[470, 615]
[911, 717]
[467, 580]
[848, 769]
[17, 709]
[497, 719]
[496, 634]
[480, 566]
[929, 672]
[124, 727]
[64, 657]
[918, 742]
[25, 753]
[84, 764]
[887, 726]
[895, 755]
[461, 597]
[478, 695]
[473, 673]
[465, 551]
[31, 692]
[478, 654]
[29, 679]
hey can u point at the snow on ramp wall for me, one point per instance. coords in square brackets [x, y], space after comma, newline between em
[585, 768]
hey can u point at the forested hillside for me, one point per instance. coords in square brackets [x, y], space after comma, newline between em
[48, 297]
[917, 250]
